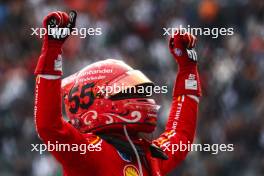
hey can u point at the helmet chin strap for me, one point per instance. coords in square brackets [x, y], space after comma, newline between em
[135, 150]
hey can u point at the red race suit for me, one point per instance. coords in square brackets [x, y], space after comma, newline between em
[106, 159]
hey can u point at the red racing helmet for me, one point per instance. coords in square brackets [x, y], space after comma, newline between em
[104, 97]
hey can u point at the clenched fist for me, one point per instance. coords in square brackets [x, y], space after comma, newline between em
[59, 24]
[181, 46]
[58, 27]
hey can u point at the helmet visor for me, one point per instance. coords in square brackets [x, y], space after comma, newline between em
[128, 83]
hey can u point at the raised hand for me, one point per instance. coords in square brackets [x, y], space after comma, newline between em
[58, 27]
[181, 46]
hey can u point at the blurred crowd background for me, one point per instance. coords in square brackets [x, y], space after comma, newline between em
[231, 68]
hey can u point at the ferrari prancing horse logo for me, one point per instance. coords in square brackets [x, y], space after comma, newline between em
[130, 170]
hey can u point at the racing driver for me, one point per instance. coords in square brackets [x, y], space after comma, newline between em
[112, 122]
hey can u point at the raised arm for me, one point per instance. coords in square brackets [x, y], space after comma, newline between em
[180, 128]
[50, 125]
